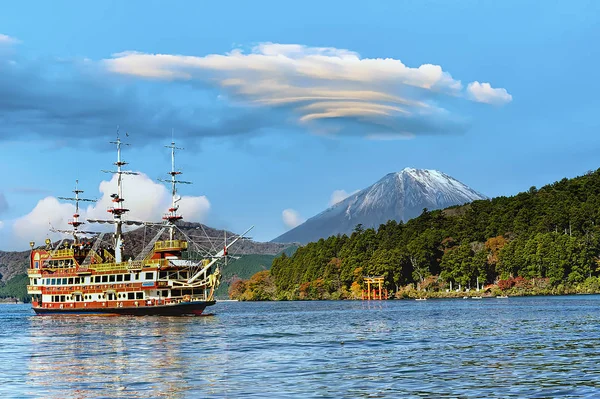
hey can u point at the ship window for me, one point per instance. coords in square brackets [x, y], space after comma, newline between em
[35, 281]
[183, 275]
[96, 279]
[62, 298]
[137, 276]
[119, 277]
[64, 281]
[130, 295]
[77, 280]
[111, 278]
[127, 277]
[36, 264]
[139, 295]
[149, 276]
[175, 293]
[162, 275]
[71, 280]
[53, 281]
[104, 279]
[165, 293]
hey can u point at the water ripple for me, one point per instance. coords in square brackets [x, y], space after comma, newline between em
[542, 347]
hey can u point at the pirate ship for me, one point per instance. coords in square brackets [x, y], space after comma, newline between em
[87, 274]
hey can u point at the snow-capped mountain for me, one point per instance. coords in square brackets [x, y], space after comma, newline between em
[400, 196]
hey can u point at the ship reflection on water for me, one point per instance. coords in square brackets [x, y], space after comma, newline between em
[133, 357]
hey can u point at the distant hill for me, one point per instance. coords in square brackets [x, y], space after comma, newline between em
[136, 239]
[246, 266]
[242, 268]
[397, 196]
[13, 263]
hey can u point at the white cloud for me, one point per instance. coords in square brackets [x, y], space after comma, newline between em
[5, 39]
[146, 199]
[320, 85]
[339, 195]
[194, 209]
[48, 213]
[484, 93]
[291, 218]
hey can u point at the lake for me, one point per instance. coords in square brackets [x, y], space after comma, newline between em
[536, 347]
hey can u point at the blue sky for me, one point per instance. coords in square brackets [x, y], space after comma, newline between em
[280, 104]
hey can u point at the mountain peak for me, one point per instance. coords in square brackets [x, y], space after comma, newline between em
[398, 196]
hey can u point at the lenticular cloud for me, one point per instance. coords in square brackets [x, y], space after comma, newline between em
[272, 87]
[371, 96]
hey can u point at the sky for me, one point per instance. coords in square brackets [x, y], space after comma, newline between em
[283, 108]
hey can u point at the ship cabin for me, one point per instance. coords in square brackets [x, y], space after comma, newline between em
[87, 277]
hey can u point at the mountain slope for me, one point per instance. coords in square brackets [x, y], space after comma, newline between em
[398, 196]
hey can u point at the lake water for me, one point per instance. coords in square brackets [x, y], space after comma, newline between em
[543, 347]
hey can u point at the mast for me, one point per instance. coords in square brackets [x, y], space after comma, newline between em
[76, 222]
[171, 217]
[118, 209]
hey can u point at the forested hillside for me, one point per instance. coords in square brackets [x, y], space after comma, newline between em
[15, 288]
[242, 268]
[546, 240]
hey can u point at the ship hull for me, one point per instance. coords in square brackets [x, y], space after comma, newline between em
[195, 308]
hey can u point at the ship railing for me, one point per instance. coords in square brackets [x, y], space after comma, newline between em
[31, 272]
[170, 244]
[60, 253]
[156, 262]
[136, 264]
[129, 265]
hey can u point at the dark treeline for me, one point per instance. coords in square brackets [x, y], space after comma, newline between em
[545, 239]
[15, 288]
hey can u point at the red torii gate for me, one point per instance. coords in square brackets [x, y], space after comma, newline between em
[377, 293]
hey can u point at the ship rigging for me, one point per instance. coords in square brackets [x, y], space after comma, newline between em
[175, 276]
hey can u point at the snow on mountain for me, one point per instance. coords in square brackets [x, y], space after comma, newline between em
[399, 196]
